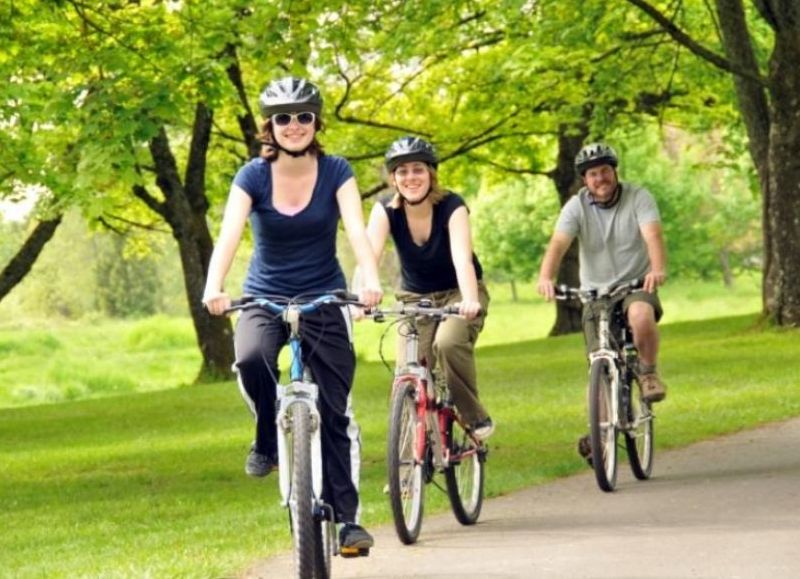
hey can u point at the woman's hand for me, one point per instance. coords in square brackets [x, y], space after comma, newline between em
[370, 295]
[469, 309]
[217, 302]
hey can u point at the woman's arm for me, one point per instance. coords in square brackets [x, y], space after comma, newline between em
[349, 200]
[237, 210]
[461, 252]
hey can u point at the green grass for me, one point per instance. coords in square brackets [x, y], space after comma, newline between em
[151, 484]
[46, 361]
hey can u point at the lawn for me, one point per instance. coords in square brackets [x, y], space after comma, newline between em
[150, 484]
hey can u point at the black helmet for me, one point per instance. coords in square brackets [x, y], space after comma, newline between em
[594, 155]
[406, 149]
[290, 95]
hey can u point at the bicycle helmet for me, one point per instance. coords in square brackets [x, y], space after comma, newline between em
[407, 149]
[594, 155]
[290, 95]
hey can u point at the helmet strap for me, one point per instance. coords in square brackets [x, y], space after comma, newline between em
[295, 154]
[611, 202]
[418, 202]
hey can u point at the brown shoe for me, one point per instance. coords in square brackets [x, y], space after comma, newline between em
[653, 389]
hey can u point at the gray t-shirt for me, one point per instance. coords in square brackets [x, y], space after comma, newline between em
[612, 249]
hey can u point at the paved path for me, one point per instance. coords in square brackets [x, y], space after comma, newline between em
[728, 508]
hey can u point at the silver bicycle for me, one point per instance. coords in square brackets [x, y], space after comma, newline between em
[312, 521]
[615, 399]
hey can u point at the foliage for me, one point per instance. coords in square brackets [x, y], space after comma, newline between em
[152, 484]
[511, 227]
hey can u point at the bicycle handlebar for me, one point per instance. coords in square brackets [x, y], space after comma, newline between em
[564, 292]
[423, 308]
[278, 305]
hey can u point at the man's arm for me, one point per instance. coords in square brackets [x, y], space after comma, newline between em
[558, 246]
[657, 252]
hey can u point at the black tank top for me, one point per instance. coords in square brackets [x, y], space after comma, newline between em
[429, 267]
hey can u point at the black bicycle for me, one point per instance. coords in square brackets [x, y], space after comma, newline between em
[615, 397]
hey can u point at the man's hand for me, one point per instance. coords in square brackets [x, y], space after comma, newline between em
[653, 280]
[546, 288]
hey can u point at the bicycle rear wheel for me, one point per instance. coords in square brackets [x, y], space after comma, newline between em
[406, 486]
[639, 437]
[603, 431]
[464, 476]
[304, 528]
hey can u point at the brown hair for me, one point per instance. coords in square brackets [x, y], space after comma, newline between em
[435, 193]
[267, 138]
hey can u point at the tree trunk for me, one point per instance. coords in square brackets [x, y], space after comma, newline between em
[725, 265]
[514, 296]
[568, 313]
[184, 208]
[19, 265]
[755, 112]
[783, 213]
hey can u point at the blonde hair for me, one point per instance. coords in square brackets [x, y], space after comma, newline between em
[267, 138]
[435, 193]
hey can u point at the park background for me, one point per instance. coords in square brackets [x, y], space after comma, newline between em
[122, 441]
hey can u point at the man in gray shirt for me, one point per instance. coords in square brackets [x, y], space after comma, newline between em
[619, 229]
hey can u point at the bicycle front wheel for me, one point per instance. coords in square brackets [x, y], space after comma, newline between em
[639, 436]
[464, 476]
[602, 429]
[406, 486]
[301, 503]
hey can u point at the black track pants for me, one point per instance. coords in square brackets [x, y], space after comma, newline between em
[328, 352]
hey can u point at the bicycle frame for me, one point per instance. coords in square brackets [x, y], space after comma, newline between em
[430, 418]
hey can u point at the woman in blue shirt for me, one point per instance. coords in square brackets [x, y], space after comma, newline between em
[294, 195]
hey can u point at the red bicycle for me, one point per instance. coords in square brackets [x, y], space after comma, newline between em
[426, 435]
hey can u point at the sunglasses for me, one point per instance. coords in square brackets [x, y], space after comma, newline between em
[283, 119]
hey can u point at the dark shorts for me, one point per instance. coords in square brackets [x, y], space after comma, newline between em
[590, 317]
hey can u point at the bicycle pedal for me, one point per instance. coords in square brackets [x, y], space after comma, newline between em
[351, 552]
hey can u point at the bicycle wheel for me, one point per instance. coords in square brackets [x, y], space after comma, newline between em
[639, 436]
[406, 487]
[603, 432]
[464, 476]
[304, 528]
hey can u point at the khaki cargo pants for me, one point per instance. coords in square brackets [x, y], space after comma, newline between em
[450, 347]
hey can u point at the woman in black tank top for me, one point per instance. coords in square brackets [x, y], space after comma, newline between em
[431, 233]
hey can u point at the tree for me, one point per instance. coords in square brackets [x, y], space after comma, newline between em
[767, 84]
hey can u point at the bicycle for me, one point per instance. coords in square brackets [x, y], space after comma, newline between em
[615, 398]
[426, 435]
[311, 520]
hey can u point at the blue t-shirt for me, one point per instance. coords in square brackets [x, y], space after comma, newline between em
[294, 254]
[428, 267]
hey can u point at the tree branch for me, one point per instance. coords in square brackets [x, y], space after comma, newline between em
[696, 48]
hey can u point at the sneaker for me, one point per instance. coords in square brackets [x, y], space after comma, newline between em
[653, 389]
[585, 448]
[352, 536]
[483, 429]
[259, 465]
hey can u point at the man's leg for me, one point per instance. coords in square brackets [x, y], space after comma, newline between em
[642, 319]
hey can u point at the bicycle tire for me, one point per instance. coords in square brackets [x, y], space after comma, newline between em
[464, 475]
[304, 528]
[406, 486]
[603, 435]
[639, 438]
